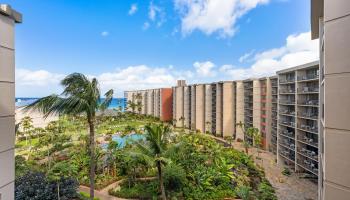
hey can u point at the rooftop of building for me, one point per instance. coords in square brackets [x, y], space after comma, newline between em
[316, 14]
[6, 10]
[299, 67]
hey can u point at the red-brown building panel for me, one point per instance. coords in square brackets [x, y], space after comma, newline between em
[167, 104]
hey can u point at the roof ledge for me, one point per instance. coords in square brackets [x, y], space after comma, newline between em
[6, 10]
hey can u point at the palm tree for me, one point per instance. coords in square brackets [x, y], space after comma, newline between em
[208, 123]
[139, 106]
[182, 119]
[80, 96]
[27, 126]
[157, 138]
[132, 105]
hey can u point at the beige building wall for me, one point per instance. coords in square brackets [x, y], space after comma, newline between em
[174, 103]
[239, 108]
[144, 102]
[268, 104]
[156, 102]
[219, 109]
[187, 106]
[150, 103]
[256, 104]
[200, 108]
[229, 109]
[208, 108]
[8, 18]
[179, 105]
[193, 107]
[331, 23]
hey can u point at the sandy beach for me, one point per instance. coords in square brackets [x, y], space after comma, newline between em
[37, 117]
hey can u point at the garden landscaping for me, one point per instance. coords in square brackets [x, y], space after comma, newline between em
[191, 165]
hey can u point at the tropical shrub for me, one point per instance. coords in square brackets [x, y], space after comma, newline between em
[137, 190]
[36, 186]
[174, 177]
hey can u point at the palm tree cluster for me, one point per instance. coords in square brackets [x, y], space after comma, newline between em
[81, 96]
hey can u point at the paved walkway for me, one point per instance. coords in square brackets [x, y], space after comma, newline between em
[103, 193]
[287, 187]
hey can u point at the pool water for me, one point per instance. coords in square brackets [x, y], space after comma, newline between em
[122, 141]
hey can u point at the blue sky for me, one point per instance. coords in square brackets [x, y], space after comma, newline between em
[132, 44]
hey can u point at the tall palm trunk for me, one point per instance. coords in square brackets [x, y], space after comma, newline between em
[160, 178]
[91, 120]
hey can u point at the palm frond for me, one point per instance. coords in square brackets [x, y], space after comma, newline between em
[108, 99]
[75, 84]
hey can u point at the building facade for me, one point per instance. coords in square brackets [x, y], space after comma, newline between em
[284, 108]
[298, 110]
[8, 19]
[153, 102]
[330, 22]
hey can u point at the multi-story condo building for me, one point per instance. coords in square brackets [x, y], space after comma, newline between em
[330, 22]
[154, 102]
[274, 104]
[8, 19]
[298, 118]
[240, 106]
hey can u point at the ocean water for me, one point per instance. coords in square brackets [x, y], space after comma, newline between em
[117, 103]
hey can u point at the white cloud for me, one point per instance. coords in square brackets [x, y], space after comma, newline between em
[246, 56]
[36, 78]
[145, 25]
[133, 9]
[156, 14]
[205, 69]
[40, 83]
[105, 33]
[299, 49]
[212, 16]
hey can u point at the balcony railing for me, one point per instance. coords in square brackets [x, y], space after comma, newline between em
[308, 90]
[309, 165]
[288, 154]
[287, 101]
[308, 153]
[287, 80]
[287, 133]
[287, 91]
[311, 115]
[288, 123]
[308, 77]
[313, 102]
[307, 140]
[287, 112]
[308, 128]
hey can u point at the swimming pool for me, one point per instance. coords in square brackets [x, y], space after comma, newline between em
[122, 141]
